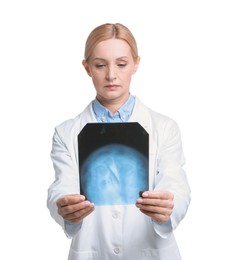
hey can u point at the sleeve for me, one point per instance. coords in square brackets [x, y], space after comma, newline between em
[66, 182]
[172, 177]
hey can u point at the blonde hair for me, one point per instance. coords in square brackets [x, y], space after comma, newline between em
[108, 31]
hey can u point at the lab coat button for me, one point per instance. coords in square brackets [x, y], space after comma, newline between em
[115, 215]
[116, 250]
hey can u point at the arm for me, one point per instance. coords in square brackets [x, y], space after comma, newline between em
[168, 203]
[64, 208]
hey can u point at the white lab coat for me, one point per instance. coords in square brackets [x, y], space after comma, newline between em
[122, 231]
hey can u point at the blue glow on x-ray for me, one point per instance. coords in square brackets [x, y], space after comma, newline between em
[114, 174]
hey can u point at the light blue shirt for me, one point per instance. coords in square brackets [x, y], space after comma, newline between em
[103, 115]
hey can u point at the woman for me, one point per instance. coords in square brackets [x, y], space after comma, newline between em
[144, 229]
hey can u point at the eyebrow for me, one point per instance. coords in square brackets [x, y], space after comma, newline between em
[102, 59]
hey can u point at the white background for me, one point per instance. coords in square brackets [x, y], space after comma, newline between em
[185, 73]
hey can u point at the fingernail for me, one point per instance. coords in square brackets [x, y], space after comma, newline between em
[139, 200]
[139, 206]
[144, 194]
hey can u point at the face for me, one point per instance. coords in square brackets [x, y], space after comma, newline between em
[111, 67]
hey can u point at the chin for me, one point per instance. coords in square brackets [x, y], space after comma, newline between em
[113, 96]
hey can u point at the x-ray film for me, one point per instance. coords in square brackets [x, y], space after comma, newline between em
[113, 162]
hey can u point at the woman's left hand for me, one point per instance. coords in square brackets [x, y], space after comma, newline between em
[156, 204]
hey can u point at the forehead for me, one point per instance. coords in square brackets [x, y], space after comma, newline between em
[112, 48]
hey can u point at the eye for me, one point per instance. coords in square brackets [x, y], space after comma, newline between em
[122, 65]
[100, 66]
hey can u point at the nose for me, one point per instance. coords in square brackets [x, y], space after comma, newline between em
[111, 73]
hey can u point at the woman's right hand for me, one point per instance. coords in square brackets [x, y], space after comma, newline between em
[74, 208]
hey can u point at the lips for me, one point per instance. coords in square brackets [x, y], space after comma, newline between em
[112, 87]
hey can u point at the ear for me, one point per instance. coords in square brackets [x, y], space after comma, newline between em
[85, 65]
[137, 62]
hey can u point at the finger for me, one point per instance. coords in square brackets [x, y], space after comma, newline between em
[156, 210]
[69, 200]
[79, 219]
[157, 217]
[156, 202]
[80, 214]
[69, 209]
[164, 195]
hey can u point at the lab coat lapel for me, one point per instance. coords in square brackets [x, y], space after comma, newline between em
[142, 115]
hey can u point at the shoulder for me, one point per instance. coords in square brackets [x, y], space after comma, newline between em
[157, 118]
[68, 124]
[74, 124]
[162, 120]
[160, 124]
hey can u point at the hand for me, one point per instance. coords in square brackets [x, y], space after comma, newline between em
[74, 208]
[156, 204]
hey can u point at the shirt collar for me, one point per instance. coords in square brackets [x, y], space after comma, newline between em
[103, 114]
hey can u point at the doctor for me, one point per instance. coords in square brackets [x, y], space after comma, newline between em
[143, 230]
